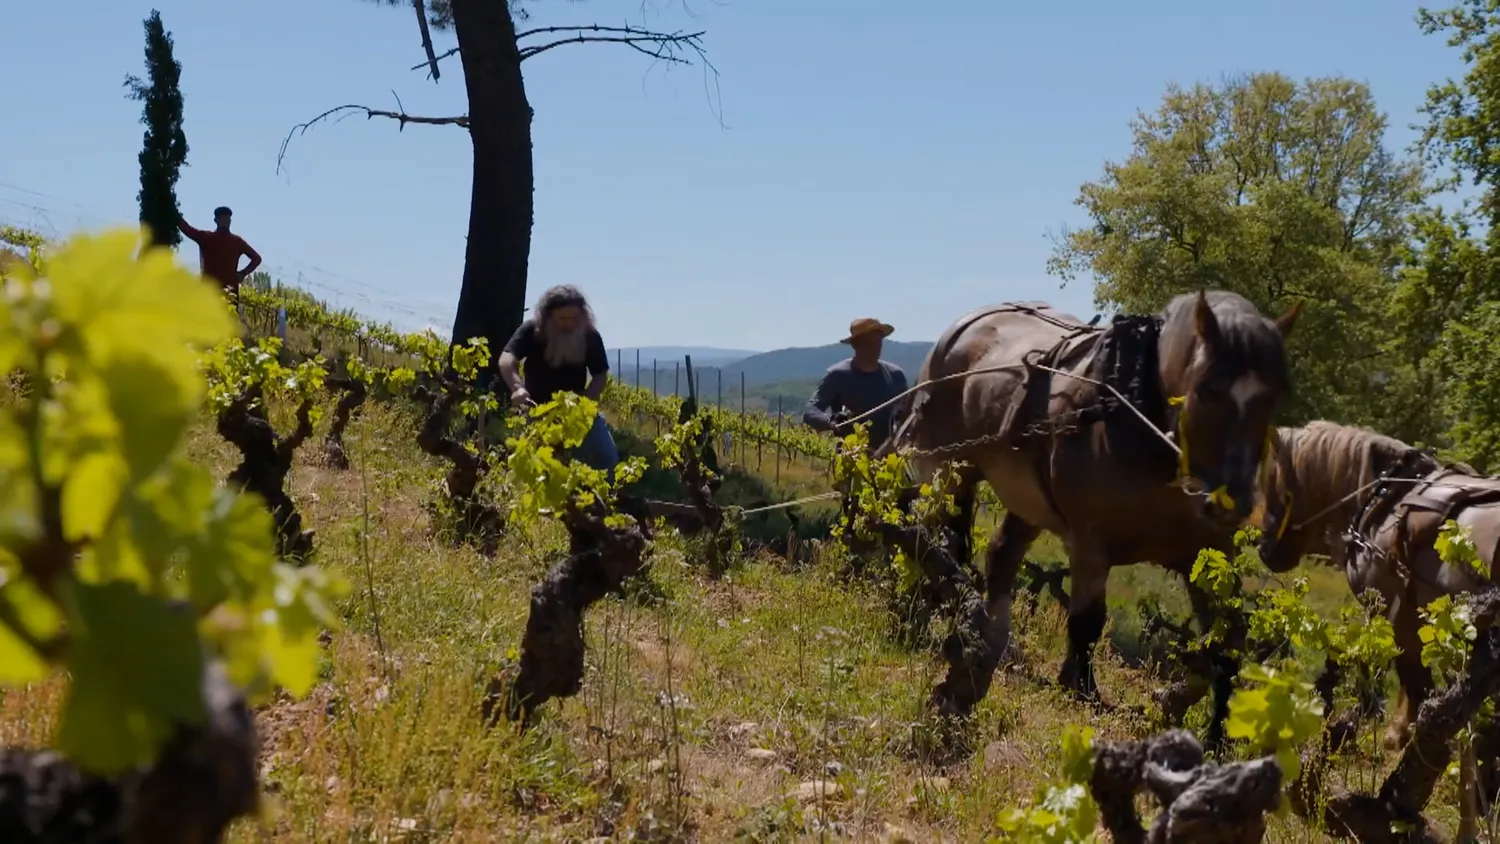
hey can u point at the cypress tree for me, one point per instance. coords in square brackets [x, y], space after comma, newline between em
[164, 148]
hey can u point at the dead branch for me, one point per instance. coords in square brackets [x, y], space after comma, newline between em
[664, 46]
[350, 109]
[432, 61]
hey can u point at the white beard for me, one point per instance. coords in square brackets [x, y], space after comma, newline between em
[568, 349]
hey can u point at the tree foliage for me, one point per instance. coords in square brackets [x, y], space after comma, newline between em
[1276, 190]
[164, 149]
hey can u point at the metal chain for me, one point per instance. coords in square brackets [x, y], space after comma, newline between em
[1062, 425]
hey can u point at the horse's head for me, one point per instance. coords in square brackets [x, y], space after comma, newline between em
[1319, 480]
[1225, 371]
[1282, 540]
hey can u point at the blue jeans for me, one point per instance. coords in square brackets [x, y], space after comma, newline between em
[598, 448]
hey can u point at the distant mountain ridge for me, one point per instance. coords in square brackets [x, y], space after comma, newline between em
[810, 362]
[707, 355]
[800, 363]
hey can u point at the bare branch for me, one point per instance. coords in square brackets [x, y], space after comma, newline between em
[665, 46]
[432, 62]
[339, 113]
[434, 59]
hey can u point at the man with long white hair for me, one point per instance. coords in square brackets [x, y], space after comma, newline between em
[561, 351]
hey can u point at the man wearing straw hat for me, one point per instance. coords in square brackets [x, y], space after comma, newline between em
[853, 387]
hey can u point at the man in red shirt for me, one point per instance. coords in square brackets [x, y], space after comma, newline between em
[219, 252]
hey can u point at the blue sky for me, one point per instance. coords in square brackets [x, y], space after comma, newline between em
[898, 160]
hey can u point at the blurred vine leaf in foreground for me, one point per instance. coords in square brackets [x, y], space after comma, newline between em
[124, 565]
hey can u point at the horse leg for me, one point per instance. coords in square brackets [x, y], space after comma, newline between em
[1414, 685]
[1414, 679]
[1087, 615]
[1008, 546]
[962, 524]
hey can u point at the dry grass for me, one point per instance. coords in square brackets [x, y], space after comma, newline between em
[777, 679]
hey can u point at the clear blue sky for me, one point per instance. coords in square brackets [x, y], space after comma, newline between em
[899, 160]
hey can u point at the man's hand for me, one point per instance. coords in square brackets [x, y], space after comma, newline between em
[522, 399]
[840, 420]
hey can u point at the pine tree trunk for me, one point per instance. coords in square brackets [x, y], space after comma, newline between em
[492, 301]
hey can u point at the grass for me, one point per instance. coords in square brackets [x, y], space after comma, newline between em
[709, 706]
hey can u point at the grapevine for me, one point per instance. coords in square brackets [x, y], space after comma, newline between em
[460, 501]
[880, 505]
[241, 379]
[688, 449]
[607, 547]
[125, 569]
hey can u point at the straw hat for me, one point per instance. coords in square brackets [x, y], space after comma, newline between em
[867, 325]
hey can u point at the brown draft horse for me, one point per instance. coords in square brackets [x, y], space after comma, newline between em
[1062, 455]
[1373, 505]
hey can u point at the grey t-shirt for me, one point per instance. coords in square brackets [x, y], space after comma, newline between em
[844, 387]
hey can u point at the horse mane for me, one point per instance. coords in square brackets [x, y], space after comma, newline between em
[1250, 339]
[1333, 461]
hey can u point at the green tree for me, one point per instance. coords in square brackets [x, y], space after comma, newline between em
[1278, 191]
[1448, 301]
[164, 149]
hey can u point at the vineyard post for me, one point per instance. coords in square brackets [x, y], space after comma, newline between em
[776, 452]
[676, 377]
[743, 455]
[638, 385]
[654, 394]
[281, 324]
[619, 367]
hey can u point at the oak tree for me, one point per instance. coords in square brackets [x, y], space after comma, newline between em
[1271, 188]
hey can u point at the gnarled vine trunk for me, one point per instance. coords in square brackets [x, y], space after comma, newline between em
[599, 562]
[353, 395]
[265, 460]
[204, 778]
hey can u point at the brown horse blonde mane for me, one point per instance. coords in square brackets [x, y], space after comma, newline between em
[1332, 465]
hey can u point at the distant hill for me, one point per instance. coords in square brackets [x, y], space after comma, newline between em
[666, 355]
[809, 363]
[788, 373]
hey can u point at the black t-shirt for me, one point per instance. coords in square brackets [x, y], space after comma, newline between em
[542, 380]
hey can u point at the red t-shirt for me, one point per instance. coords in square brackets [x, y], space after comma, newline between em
[219, 255]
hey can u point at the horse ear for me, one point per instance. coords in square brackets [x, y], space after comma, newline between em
[1288, 320]
[1205, 322]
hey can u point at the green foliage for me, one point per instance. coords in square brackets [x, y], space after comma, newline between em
[544, 480]
[1466, 355]
[1275, 712]
[1447, 635]
[871, 487]
[234, 369]
[1271, 188]
[675, 445]
[120, 560]
[164, 149]
[1063, 812]
[1222, 577]
[1284, 616]
[872, 490]
[1456, 548]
